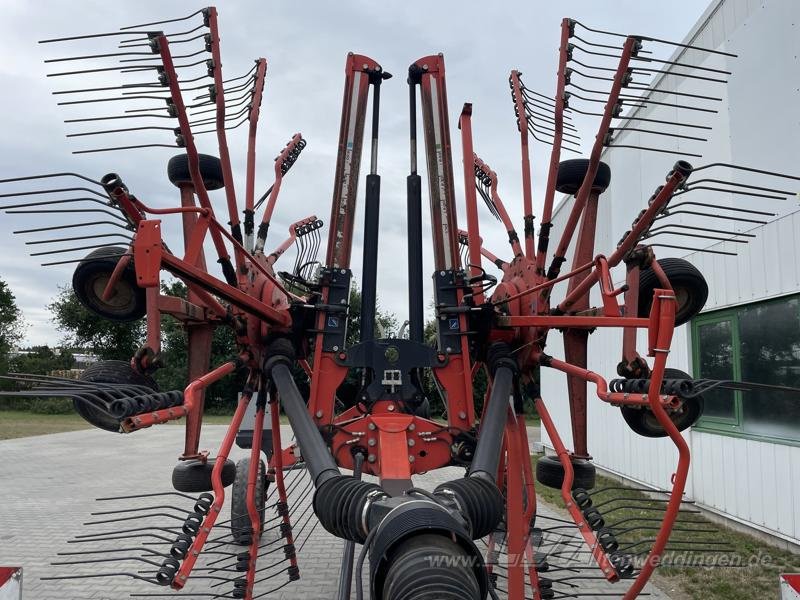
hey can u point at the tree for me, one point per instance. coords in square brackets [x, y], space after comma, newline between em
[108, 340]
[11, 323]
[386, 322]
[42, 360]
[221, 396]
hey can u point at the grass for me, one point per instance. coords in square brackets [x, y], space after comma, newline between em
[17, 424]
[757, 578]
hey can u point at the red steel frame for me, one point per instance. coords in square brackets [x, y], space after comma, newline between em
[521, 303]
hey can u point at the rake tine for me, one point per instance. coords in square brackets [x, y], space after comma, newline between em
[692, 249]
[669, 213]
[136, 42]
[722, 207]
[47, 202]
[77, 260]
[52, 190]
[190, 55]
[658, 40]
[115, 148]
[91, 36]
[728, 191]
[175, 20]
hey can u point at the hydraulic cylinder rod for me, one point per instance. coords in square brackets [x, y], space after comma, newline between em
[490, 440]
[320, 463]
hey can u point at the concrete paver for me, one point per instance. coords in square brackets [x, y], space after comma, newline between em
[48, 485]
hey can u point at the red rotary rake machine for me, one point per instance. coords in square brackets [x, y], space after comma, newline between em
[447, 543]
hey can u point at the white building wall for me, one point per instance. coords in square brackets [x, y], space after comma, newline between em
[758, 125]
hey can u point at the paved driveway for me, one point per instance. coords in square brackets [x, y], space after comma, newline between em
[47, 489]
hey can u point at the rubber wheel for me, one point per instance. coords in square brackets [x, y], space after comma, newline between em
[571, 174]
[643, 420]
[128, 302]
[240, 518]
[430, 567]
[108, 371]
[210, 170]
[549, 472]
[691, 289]
[194, 476]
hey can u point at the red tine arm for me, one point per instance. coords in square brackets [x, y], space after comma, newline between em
[473, 231]
[263, 229]
[222, 138]
[499, 262]
[594, 159]
[513, 238]
[522, 125]
[555, 153]
[255, 111]
[278, 252]
[191, 149]
[675, 178]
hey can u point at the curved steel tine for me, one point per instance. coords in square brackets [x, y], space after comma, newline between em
[47, 202]
[92, 36]
[115, 148]
[77, 260]
[49, 176]
[707, 250]
[58, 211]
[658, 40]
[120, 130]
[175, 20]
[83, 237]
[52, 190]
[728, 191]
[71, 226]
[73, 249]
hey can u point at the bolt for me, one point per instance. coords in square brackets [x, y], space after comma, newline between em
[391, 408]
[462, 415]
[343, 271]
[412, 427]
[411, 442]
[318, 414]
[371, 426]
[371, 458]
[372, 442]
[410, 458]
[336, 348]
[441, 273]
[448, 349]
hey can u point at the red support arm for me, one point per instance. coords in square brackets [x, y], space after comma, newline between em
[433, 94]
[351, 138]
[473, 228]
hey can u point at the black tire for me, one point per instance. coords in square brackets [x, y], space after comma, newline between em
[240, 518]
[691, 289]
[430, 566]
[549, 472]
[210, 170]
[643, 421]
[571, 174]
[194, 476]
[108, 371]
[89, 281]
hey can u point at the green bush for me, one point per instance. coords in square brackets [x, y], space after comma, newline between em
[51, 406]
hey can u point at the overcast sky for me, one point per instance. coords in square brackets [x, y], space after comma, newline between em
[306, 44]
